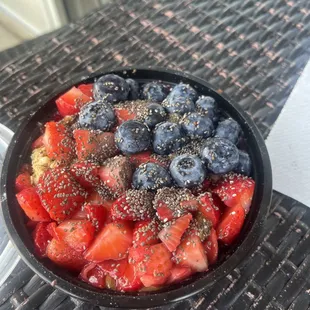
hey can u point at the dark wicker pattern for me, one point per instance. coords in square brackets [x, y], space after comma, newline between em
[254, 51]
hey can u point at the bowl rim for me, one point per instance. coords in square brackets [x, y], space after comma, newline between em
[153, 299]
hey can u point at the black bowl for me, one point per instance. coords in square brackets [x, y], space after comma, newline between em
[19, 150]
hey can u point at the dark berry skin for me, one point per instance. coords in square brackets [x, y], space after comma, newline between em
[111, 88]
[228, 129]
[181, 99]
[132, 137]
[244, 165]
[151, 176]
[219, 155]
[155, 114]
[154, 91]
[97, 115]
[134, 91]
[187, 170]
[197, 125]
[168, 137]
[208, 105]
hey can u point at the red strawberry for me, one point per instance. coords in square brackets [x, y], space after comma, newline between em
[178, 274]
[61, 254]
[71, 102]
[94, 145]
[171, 235]
[30, 202]
[41, 238]
[52, 230]
[199, 226]
[123, 115]
[79, 214]
[92, 274]
[58, 142]
[147, 157]
[202, 188]
[86, 174]
[22, 181]
[114, 268]
[145, 233]
[94, 198]
[129, 281]
[236, 189]
[116, 174]
[86, 89]
[208, 209]
[97, 214]
[112, 242]
[211, 247]
[190, 253]
[78, 234]
[231, 224]
[60, 194]
[164, 213]
[134, 205]
[38, 142]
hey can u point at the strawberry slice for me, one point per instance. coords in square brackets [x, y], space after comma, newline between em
[60, 194]
[199, 226]
[129, 281]
[164, 213]
[71, 102]
[178, 274]
[41, 238]
[78, 234]
[79, 214]
[92, 274]
[116, 174]
[30, 202]
[171, 235]
[145, 233]
[86, 89]
[147, 157]
[22, 181]
[94, 145]
[97, 214]
[123, 115]
[94, 198]
[58, 142]
[134, 205]
[211, 247]
[86, 174]
[236, 189]
[208, 209]
[51, 228]
[231, 224]
[39, 142]
[190, 253]
[61, 254]
[114, 268]
[112, 242]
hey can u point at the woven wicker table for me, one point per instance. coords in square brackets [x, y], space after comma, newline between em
[253, 51]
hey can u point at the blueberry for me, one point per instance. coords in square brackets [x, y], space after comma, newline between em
[208, 105]
[155, 114]
[151, 176]
[187, 170]
[133, 89]
[244, 165]
[228, 129]
[168, 138]
[97, 115]
[219, 155]
[111, 88]
[181, 99]
[197, 125]
[132, 137]
[154, 91]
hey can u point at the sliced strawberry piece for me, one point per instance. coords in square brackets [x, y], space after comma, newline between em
[231, 224]
[22, 181]
[92, 274]
[97, 214]
[145, 233]
[147, 157]
[211, 247]
[60, 194]
[116, 174]
[164, 213]
[112, 242]
[236, 189]
[114, 268]
[78, 234]
[123, 115]
[208, 209]
[129, 281]
[171, 235]
[71, 102]
[94, 145]
[199, 226]
[79, 214]
[190, 253]
[30, 202]
[178, 274]
[86, 89]
[63, 255]
[51, 228]
[39, 142]
[86, 174]
[58, 142]
[134, 205]
[41, 238]
[94, 198]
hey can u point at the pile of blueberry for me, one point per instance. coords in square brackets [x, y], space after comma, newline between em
[174, 118]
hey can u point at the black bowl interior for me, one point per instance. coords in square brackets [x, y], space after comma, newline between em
[19, 151]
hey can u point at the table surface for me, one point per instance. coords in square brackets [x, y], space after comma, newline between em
[253, 51]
